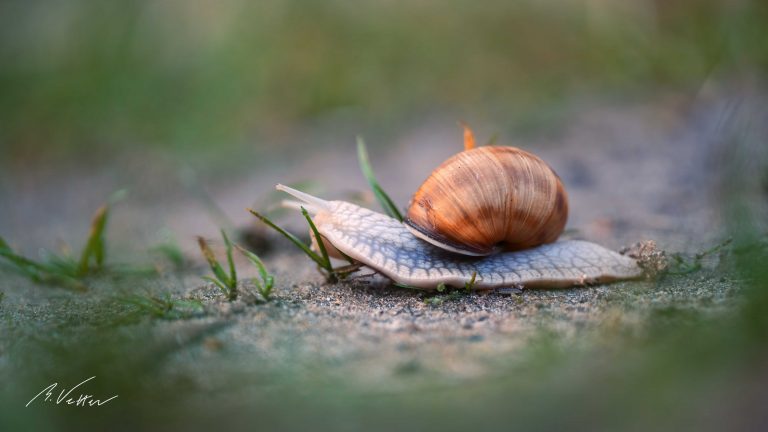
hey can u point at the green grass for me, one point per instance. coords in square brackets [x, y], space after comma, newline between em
[682, 264]
[266, 281]
[470, 285]
[172, 253]
[365, 166]
[226, 282]
[57, 272]
[165, 307]
[443, 297]
[92, 258]
[323, 260]
[446, 294]
[65, 270]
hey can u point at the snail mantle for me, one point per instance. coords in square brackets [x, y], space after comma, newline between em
[389, 247]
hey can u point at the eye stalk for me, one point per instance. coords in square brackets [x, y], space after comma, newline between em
[312, 203]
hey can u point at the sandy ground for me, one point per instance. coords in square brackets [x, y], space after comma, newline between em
[637, 172]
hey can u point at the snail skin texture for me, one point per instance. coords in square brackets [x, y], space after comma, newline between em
[387, 246]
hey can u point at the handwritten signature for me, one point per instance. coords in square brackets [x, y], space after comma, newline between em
[82, 400]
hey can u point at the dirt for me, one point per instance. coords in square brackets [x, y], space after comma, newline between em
[634, 172]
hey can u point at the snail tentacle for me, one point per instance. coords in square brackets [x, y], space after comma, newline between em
[313, 203]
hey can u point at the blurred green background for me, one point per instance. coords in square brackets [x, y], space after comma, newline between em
[84, 78]
[204, 81]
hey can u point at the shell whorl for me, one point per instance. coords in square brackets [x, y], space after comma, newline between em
[385, 245]
[488, 198]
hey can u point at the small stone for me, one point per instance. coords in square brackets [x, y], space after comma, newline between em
[651, 259]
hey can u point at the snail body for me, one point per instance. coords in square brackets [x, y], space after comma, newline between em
[387, 246]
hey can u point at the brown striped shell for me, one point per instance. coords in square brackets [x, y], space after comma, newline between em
[489, 198]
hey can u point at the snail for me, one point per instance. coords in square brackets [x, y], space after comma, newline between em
[488, 217]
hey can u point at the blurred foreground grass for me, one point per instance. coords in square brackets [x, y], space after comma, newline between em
[81, 78]
[680, 367]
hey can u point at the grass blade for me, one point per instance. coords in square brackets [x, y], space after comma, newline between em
[94, 247]
[295, 240]
[267, 280]
[21, 263]
[253, 258]
[39, 272]
[232, 271]
[60, 264]
[172, 253]
[227, 283]
[326, 264]
[471, 284]
[213, 263]
[165, 307]
[365, 166]
[344, 271]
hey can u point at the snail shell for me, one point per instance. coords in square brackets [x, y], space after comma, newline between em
[489, 198]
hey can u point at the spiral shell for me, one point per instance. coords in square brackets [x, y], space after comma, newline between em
[489, 198]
